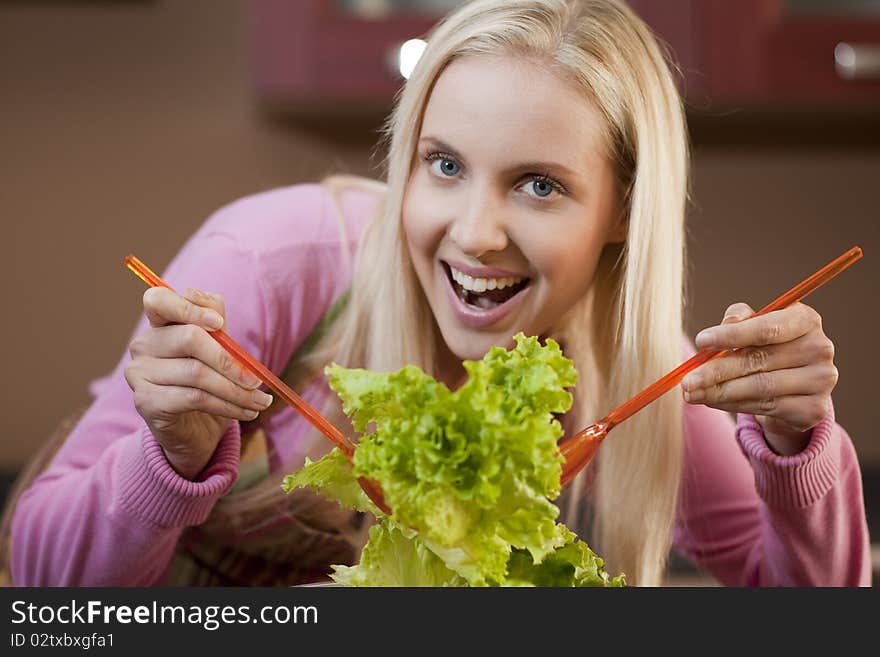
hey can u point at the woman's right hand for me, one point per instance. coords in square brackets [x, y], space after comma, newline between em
[186, 386]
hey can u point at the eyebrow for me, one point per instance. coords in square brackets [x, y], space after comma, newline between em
[551, 167]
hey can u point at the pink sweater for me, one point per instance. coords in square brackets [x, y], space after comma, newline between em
[109, 509]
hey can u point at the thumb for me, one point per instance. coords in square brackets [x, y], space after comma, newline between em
[206, 300]
[737, 312]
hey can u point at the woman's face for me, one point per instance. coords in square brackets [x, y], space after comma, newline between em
[509, 203]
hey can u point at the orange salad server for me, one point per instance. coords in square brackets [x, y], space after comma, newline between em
[276, 385]
[579, 449]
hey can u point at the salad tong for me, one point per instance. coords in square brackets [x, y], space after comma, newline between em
[578, 449]
[276, 385]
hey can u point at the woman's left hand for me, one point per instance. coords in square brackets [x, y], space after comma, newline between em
[782, 372]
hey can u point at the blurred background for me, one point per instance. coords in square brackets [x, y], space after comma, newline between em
[125, 123]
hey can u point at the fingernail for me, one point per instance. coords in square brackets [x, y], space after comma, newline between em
[706, 337]
[696, 395]
[692, 382]
[262, 399]
[249, 380]
[213, 319]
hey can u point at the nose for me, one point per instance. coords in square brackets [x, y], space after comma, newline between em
[480, 226]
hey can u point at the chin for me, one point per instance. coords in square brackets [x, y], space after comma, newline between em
[471, 344]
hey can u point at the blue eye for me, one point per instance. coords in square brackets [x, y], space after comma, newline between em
[542, 188]
[448, 167]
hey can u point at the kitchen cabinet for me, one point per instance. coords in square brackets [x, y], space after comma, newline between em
[815, 52]
[327, 56]
[330, 57]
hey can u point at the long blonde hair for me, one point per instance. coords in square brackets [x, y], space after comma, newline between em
[627, 332]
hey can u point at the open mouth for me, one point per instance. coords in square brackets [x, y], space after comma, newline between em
[484, 294]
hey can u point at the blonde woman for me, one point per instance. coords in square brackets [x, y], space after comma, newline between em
[536, 181]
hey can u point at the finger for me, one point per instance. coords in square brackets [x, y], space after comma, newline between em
[801, 412]
[193, 373]
[751, 360]
[773, 328]
[189, 341]
[737, 312]
[807, 380]
[205, 299]
[163, 307]
[151, 399]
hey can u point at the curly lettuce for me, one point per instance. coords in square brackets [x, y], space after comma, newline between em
[470, 475]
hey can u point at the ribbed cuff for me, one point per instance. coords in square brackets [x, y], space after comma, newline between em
[150, 488]
[795, 481]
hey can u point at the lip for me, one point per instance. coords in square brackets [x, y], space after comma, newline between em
[483, 272]
[475, 317]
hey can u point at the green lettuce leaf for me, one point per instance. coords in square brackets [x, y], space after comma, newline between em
[333, 477]
[474, 471]
[394, 557]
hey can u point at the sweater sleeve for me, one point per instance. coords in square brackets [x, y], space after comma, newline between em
[109, 508]
[754, 518]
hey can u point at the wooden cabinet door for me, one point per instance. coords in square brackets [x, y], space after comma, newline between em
[313, 53]
[772, 51]
[319, 56]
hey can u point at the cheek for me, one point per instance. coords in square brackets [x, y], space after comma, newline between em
[566, 259]
[423, 224]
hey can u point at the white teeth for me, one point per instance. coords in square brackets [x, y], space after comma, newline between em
[482, 284]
